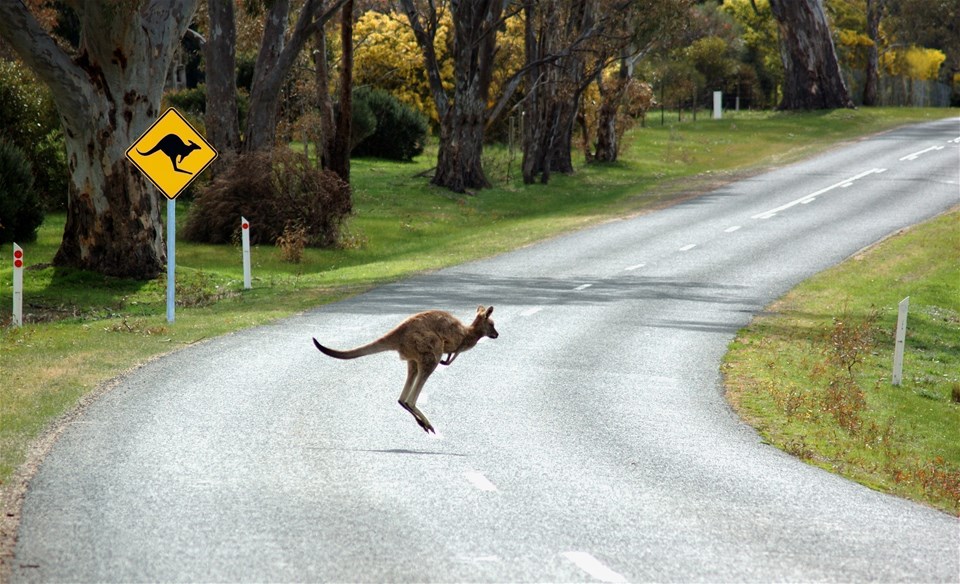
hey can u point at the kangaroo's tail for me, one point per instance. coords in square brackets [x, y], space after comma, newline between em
[377, 346]
[149, 152]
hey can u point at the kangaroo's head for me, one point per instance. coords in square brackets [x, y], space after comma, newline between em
[192, 146]
[484, 323]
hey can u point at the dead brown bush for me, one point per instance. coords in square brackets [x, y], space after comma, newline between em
[272, 190]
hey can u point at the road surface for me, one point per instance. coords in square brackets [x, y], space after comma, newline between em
[590, 442]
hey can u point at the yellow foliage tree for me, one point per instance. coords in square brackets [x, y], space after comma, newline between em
[387, 56]
[914, 62]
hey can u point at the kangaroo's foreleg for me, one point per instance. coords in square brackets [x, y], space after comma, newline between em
[449, 359]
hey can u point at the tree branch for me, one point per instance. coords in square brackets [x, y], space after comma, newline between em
[41, 54]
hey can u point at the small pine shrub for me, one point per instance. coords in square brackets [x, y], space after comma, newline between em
[273, 190]
[400, 129]
[20, 212]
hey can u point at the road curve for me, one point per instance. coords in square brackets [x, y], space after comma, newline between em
[589, 442]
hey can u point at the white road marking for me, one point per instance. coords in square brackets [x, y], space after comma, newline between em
[477, 559]
[812, 196]
[916, 155]
[688, 247]
[479, 481]
[954, 141]
[592, 566]
[582, 287]
[633, 267]
[531, 311]
[732, 229]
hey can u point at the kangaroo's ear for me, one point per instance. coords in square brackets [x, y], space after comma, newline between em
[480, 309]
[489, 312]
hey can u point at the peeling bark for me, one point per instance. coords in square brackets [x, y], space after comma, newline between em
[871, 87]
[222, 117]
[107, 97]
[812, 78]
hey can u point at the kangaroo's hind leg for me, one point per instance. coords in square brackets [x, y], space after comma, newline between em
[427, 367]
[413, 369]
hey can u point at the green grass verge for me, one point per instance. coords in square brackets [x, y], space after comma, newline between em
[83, 329]
[814, 374]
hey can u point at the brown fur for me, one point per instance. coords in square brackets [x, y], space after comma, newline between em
[421, 340]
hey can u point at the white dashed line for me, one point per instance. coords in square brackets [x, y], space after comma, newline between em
[813, 196]
[531, 311]
[633, 267]
[688, 247]
[479, 481]
[592, 566]
[732, 229]
[582, 287]
[916, 155]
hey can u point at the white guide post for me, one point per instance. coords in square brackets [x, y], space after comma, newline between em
[245, 237]
[171, 258]
[717, 105]
[901, 341]
[17, 285]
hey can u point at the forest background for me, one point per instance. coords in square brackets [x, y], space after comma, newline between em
[553, 79]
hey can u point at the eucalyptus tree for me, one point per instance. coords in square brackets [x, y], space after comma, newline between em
[812, 78]
[463, 115]
[107, 95]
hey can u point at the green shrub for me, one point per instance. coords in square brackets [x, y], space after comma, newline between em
[29, 120]
[363, 123]
[192, 100]
[274, 190]
[52, 182]
[400, 129]
[20, 212]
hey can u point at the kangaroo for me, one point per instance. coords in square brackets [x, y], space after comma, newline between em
[174, 148]
[421, 340]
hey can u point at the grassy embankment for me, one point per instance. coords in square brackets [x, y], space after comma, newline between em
[814, 374]
[82, 329]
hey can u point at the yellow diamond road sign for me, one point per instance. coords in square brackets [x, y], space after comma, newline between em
[171, 153]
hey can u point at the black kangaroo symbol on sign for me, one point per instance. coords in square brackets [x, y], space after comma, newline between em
[174, 148]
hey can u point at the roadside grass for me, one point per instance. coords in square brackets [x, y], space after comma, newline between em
[813, 375]
[83, 329]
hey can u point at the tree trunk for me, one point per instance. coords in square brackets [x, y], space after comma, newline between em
[107, 97]
[607, 147]
[871, 87]
[459, 160]
[261, 127]
[274, 61]
[324, 103]
[812, 78]
[556, 91]
[611, 100]
[222, 118]
[340, 153]
[560, 152]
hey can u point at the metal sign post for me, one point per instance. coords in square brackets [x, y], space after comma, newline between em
[171, 153]
[171, 258]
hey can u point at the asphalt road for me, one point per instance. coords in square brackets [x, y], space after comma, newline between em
[591, 441]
